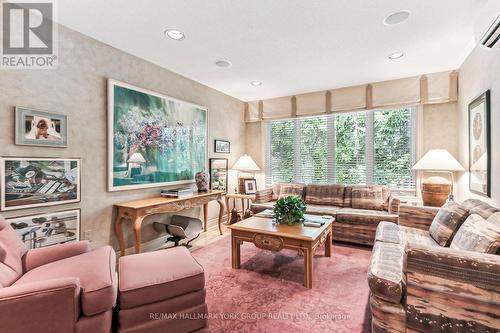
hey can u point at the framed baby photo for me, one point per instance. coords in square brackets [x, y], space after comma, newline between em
[250, 185]
[41, 128]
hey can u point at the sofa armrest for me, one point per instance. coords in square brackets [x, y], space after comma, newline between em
[451, 288]
[265, 195]
[42, 306]
[44, 255]
[419, 217]
[394, 203]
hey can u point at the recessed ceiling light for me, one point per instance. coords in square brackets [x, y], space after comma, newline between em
[396, 55]
[223, 63]
[397, 17]
[256, 83]
[174, 34]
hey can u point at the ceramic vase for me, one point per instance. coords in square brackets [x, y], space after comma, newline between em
[201, 179]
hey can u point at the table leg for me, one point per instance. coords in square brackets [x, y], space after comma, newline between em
[235, 252]
[228, 210]
[205, 217]
[328, 244]
[221, 214]
[119, 232]
[137, 233]
[308, 268]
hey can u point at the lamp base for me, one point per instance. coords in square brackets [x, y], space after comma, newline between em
[435, 194]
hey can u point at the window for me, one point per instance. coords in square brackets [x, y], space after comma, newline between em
[370, 147]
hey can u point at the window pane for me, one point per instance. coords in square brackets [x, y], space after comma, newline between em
[350, 148]
[281, 150]
[313, 150]
[393, 148]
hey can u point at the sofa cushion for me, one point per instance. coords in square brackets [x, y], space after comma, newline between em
[363, 216]
[369, 197]
[385, 274]
[446, 222]
[156, 276]
[348, 197]
[322, 209]
[12, 251]
[389, 232]
[478, 234]
[96, 272]
[292, 189]
[256, 207]
[325, 195]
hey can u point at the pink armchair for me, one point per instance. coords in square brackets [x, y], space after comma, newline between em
[61, 288]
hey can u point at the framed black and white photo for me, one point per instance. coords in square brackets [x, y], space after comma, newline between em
[218, 174]
[479, 145]
[41, 128]
[36, 182]
[42, 230]
[250, 185]
[222, 146]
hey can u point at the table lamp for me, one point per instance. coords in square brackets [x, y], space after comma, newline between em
[246, 168]
[437, 189]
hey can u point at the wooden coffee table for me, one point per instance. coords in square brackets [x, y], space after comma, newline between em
[274, 237]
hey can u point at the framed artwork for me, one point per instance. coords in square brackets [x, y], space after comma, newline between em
[250, 185]
[40, 128]
[153, 140]
[42, 230]
[222, 146]
[37, 182]
[218, 174]
[479, 145]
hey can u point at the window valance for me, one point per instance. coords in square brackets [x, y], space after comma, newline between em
[426, 89]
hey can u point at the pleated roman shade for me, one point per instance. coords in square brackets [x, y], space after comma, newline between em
[311, 104]
[425, 89]
[348, 99]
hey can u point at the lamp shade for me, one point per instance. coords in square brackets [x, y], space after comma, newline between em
[245, 163]
[438, 160]
[136, 158]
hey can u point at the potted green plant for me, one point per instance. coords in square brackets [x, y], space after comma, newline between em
[289, 210]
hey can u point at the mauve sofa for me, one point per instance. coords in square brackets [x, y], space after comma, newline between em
[418, 285]
[357, 209]
[60, 288]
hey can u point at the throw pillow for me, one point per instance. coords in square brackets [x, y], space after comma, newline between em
[478, 234]
[446, 222]
[368, 197]
[332, 195]
[291, 189]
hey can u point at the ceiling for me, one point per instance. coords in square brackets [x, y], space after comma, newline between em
[292, 46]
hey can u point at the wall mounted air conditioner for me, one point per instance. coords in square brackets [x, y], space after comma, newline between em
[491, 39]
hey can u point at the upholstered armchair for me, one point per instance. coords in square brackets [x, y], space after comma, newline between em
[61, 288]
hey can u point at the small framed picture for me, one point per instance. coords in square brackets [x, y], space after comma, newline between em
[218, 174]
[40, 128]
[250, 185]
[42, 230]
[222, 146]
[38, 182]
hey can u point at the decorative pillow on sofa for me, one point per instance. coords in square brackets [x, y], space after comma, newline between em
[332, 195]
[369, 197]
[291, 189]
[478, 234]
[447, 221]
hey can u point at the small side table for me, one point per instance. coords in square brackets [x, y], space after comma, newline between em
[246, 201]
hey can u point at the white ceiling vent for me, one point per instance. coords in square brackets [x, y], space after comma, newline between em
[491, 38]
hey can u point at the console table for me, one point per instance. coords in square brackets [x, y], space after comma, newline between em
[134, 212]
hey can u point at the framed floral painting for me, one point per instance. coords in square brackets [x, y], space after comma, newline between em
[153, 140]
[480, 145]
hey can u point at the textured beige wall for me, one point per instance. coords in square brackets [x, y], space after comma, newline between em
[440, 128]
[480, 72]
[78, 88]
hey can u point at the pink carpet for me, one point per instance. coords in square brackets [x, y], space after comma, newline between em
[267, 295]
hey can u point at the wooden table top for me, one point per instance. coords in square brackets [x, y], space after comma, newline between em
[265, 225]
[240, 196]
[144, 203]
